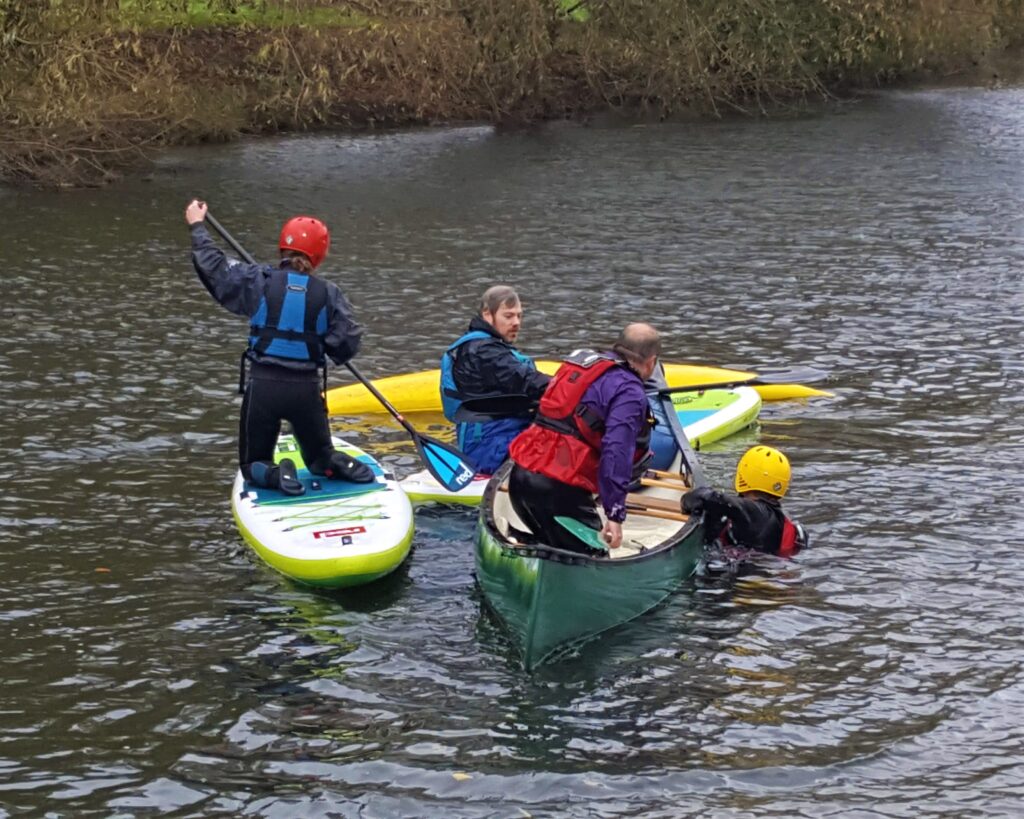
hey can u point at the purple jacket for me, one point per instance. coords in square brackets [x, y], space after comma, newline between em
[619, 398]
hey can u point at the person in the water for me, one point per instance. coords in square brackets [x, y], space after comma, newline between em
[753, 517]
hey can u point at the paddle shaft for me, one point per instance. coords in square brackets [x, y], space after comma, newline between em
[645, 512]
[679, 435]
[674, 485]
[661, 504]
[765, 379]
[380, 397]
[227, 237]
[664, 473]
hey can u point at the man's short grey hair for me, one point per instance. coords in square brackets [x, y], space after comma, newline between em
[501, 295]
[637, 342]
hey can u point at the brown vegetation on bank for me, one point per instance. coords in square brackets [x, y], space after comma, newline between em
[89, 88]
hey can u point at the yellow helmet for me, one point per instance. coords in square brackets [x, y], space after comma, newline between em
[763, 469]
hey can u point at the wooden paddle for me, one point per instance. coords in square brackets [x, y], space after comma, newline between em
[663, 473]
[449, 467]
[677, 486]
[661, 504]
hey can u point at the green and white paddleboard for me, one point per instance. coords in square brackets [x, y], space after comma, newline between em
[337, 534]
[711, 415]
[706, 416]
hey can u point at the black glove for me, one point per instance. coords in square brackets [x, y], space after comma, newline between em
[346, 468]
[693, 501]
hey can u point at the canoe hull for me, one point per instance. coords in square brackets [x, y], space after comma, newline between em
[550, 600]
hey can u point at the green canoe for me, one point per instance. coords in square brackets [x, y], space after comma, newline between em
[550, 599]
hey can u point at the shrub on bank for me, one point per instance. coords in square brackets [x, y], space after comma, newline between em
[89, 87]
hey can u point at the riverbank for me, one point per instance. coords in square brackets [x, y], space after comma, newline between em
[103, 89]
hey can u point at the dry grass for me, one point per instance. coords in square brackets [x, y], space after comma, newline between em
[90, 87]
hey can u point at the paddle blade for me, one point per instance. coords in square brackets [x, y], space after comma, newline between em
[450, 468]
[589, 536]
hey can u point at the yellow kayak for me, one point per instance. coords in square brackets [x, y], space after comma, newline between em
[420, 392]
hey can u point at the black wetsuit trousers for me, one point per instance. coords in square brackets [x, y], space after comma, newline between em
[538, 499]
[276, 394]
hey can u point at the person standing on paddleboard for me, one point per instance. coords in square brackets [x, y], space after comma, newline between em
[592, 430]
[296, 321]
[489, 389]
[753, 518]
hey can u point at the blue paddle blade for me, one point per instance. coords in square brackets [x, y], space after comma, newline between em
[591, 537]
[450, 468]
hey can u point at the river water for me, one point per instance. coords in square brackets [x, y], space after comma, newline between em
[151, 665]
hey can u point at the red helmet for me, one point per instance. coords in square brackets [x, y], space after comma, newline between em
[308, 236]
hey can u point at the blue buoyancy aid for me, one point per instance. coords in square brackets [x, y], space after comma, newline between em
[291, 320]
[452, 398]
[663, 441]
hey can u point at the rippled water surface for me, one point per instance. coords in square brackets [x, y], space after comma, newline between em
[151, 665]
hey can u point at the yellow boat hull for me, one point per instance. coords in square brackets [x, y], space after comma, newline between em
[420, 392]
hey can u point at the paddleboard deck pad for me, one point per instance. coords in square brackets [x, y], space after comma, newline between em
[706, 417]
[337, 534]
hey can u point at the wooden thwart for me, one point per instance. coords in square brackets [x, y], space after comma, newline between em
[643, 511]
[678, 487]
[661, 504]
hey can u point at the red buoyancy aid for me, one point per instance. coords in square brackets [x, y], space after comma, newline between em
[793, 537]
[564, 441]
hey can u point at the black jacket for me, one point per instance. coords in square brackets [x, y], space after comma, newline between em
[239, 287]
[489, 367]
[754, 522]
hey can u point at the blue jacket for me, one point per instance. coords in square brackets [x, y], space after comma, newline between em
[242, 289]
[486, 443]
